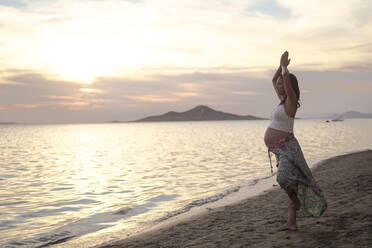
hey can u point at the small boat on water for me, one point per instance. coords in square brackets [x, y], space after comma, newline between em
[338, 119]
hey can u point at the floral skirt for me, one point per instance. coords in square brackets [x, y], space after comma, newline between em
[293, 172]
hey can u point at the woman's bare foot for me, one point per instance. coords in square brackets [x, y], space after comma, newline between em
[288, 227]
[291, 222]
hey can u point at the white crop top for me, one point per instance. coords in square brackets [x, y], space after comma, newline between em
[280, 120]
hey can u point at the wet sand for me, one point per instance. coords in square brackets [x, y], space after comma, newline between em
[347, 185]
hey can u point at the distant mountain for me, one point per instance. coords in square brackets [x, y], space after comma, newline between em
[351, 115]
[8, 123]
[199, 113]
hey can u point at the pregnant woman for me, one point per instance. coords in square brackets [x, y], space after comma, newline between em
[294, 175]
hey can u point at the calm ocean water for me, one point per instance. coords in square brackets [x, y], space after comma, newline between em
[60, 183]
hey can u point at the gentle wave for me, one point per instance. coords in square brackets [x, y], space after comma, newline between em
[59, 183]
[79, 227]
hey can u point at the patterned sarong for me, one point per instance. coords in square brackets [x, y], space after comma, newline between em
[294, 172]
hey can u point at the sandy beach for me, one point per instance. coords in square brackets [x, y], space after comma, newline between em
[347, 184]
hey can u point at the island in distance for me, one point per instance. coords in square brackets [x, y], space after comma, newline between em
[352, 115]
[199, 113]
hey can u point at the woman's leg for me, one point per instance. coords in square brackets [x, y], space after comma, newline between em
[293, 197]
[292, 208]
[287, 178]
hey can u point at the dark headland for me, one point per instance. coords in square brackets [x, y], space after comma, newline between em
[199, 113]
[8, 123]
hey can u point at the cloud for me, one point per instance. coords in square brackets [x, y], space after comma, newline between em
[23, 90]
[115, 36]
[140, 57]
[13, 3]
[19, 106]
[335, 77]
[126, 98]
[269, 7]
[179, 89]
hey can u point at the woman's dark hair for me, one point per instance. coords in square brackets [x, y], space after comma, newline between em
[294, 84]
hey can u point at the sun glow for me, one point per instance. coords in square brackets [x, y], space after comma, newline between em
[82, 40]
[84, 58]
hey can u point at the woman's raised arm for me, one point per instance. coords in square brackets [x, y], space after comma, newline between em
[277, 74]
[291, 103]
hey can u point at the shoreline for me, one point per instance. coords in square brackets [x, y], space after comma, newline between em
[211, 214]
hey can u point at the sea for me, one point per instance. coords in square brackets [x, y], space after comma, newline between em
[83, 185]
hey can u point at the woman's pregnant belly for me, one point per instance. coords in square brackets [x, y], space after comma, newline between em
[273, 135]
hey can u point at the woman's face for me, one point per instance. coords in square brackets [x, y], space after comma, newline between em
[280, 86]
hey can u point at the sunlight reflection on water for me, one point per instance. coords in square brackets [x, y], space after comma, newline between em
[70, 180]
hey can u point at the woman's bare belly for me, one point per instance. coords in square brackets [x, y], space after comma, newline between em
[273, 135]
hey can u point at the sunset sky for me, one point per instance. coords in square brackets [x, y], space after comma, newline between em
[101, 60]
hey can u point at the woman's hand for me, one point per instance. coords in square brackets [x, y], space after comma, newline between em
[284, 61]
